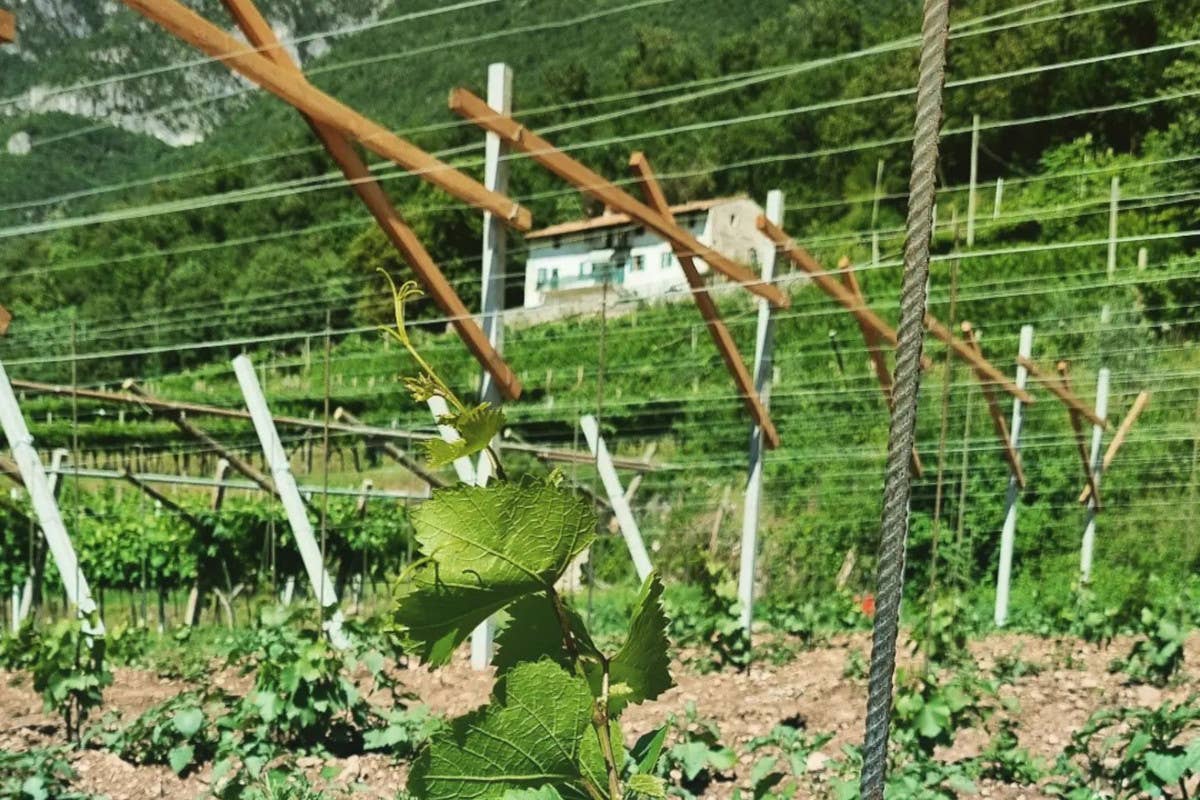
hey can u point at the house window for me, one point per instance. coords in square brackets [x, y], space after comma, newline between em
[666, 260]
[541, 277]
[585, 268]
[753, 260]
[639, 263]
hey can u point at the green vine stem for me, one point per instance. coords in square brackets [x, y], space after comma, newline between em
[600, 720]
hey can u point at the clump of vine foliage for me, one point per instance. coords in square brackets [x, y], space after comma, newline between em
[552, 725]
[704, 619]
[68, 670]
[1157, 655]
[38, 774]
[1133, 752]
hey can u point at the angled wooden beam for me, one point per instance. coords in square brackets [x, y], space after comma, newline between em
[173, 407]
[474, 109]
[985, 371]
[8, 469]
[8, 27]
[1062, 392]
[639, 165]
[1077, 426]
[190, 518]
[402, 458]
[179, 418]
[998, 422]
[878, 359]
[285, 84]
[870, 335]
[258, 31]
[830, 285]
[1139, 405]
[5, 320]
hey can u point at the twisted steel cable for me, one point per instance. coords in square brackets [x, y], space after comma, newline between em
[911, 335]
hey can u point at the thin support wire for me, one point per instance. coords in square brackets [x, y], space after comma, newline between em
[911, 335]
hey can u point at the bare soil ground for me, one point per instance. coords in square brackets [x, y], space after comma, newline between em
[1073, 682]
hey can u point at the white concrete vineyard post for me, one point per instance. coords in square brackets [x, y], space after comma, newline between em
[495, 171]
[33, 475]
[999, 198]
[481, 637]
[33, 581]
[616, 496]
[763, 346]
[289, 495]
[1089, 529]
[1009, 532]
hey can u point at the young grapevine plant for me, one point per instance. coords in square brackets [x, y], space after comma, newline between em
[552, 726]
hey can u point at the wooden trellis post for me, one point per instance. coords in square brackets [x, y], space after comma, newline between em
[293, 504]
[8, 33]
[45, 507]
[763, 369]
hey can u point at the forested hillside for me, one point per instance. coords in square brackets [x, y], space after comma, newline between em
[164, 260]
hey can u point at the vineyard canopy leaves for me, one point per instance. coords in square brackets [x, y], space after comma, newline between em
[529, 736]
[486, 548]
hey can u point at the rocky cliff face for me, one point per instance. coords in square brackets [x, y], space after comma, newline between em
[105, 64]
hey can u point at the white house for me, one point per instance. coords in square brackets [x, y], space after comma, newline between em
[568, 263]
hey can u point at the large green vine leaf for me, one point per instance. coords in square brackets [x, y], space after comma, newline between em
[536, 732]
[534, 632]
[486, 548]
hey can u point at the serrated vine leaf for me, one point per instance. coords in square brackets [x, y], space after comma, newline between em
[476, 426]
[534, 632]
[486, 548]
[533, 734]
[641, 669]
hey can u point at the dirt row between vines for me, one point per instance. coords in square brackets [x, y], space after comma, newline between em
[811, 690]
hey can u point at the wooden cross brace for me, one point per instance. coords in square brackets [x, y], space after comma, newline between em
[640, 167]
[1076, 409]
[337, 125]
[475, 110]
[8, 27]
[874, 349]
[986, 371]
[1135, 411]
[998, 422]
